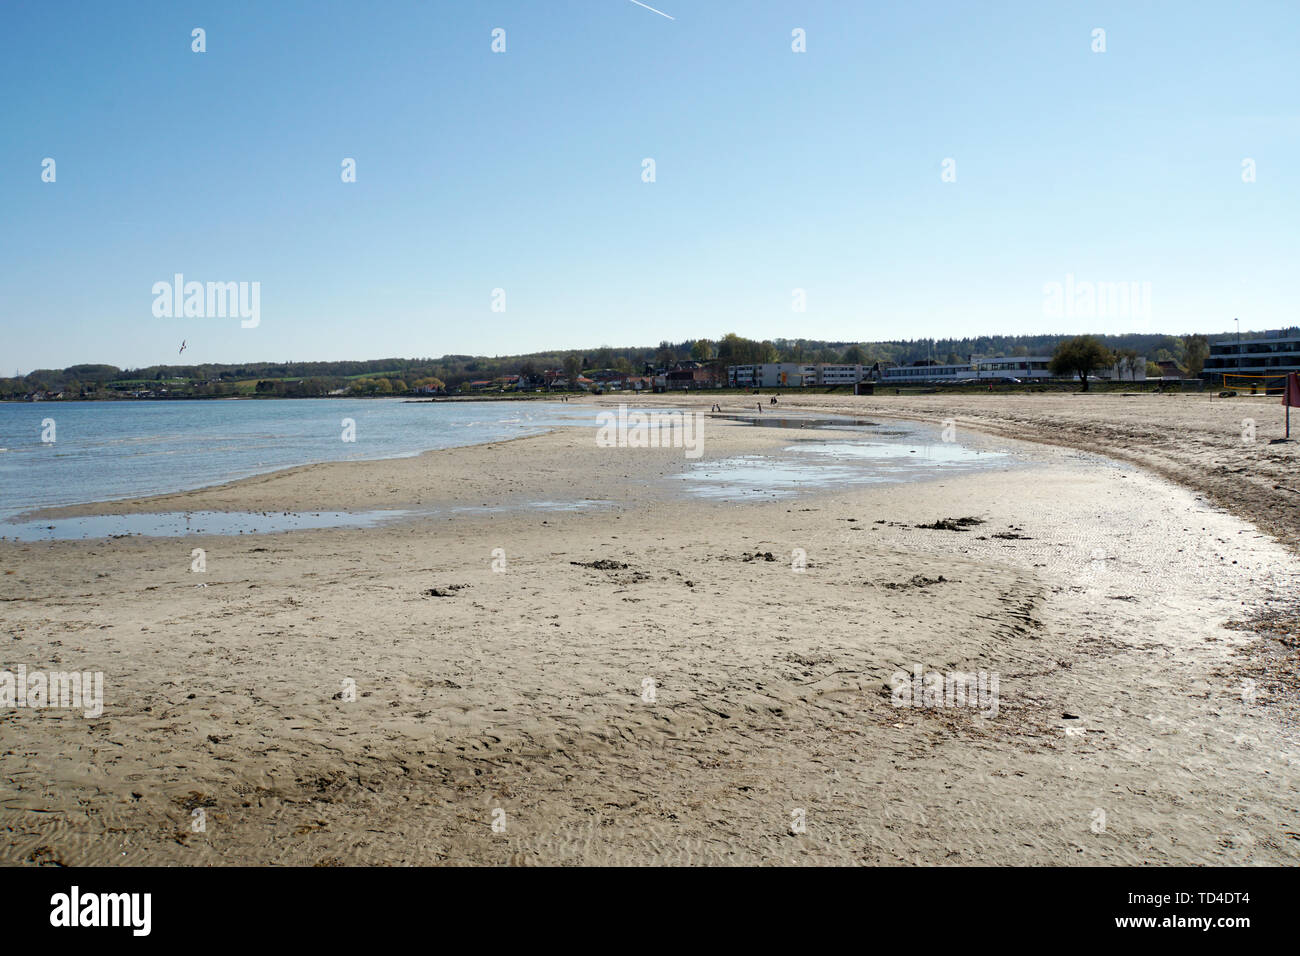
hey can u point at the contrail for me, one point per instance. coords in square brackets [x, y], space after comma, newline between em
[652, 9]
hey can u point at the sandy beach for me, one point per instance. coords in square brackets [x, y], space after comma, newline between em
[659, 678]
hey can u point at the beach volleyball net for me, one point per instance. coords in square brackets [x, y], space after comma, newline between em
[1255, 384]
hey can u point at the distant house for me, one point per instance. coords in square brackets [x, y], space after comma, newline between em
[690, 375]
[1169, 369]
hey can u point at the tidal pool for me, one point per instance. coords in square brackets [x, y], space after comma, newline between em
[878, 455]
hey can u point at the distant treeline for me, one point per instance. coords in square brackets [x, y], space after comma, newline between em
[398, 375]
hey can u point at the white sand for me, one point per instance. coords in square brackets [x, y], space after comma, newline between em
[523, 690]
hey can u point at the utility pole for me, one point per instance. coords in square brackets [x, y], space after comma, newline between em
[1238, 321]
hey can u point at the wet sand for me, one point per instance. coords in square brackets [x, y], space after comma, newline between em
[1230, 450]
[1127, 728]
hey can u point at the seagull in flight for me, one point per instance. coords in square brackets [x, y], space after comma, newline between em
[182, 346]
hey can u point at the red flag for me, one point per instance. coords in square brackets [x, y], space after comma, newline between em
[1292, 394]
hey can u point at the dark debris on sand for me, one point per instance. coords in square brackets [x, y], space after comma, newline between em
[916, 581]
[448, 591]
[952, 524]
[1271, 661]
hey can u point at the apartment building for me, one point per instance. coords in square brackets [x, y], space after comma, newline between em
[1269, 353]
[772, 375]
[1026, 368]
[793, 375]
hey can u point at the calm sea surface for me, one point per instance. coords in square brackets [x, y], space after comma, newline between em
[107, 450]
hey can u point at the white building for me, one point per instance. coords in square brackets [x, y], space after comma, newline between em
[839, 374]
[1268, 353]
[1026, 368]
[793, 375]
[772, 375]
[927, 373]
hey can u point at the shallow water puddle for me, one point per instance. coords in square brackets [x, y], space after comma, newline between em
[786, 421]
[823, 464]
[178, 524]
[943, 453]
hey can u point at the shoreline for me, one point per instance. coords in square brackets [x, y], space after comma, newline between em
[131, 501]
[225, 495]
[1271, 504]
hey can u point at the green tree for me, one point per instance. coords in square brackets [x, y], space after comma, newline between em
[737, 350]
[1081, 356]
[1196, 349]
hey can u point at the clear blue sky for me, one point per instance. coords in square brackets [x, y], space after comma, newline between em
[522, 170]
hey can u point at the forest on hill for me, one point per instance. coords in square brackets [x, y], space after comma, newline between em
[399, 375]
